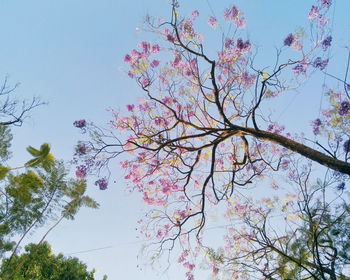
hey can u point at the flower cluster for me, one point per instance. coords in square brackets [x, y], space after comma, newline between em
[320, 64]
[326, 43]
[316, 124]
[344, 108]
[102, 183]
[234, 15]
[299, 69]
[81, 149]
[140, 61]
[80, 123]
[81, 171]
[288, 41]
[212, 21]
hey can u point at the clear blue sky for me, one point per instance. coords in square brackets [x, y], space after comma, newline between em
[70, 54]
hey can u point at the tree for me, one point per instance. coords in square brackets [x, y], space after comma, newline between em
[203, 137]
[41, 264]
[31, 198]
[35, 193]
[13, 111]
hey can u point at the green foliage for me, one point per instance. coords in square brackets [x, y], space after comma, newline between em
[35, 193]
[39, 263]
[3, 171]
[42, 157]
[321, 245]
[5, 142]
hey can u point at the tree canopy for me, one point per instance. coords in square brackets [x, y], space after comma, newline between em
[32, 195]
[38, 262]
[203, 138]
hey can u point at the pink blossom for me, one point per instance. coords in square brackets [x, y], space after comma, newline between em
[247, 79]
[130, 107]
[154, 63]
[135, 54]
[155, 49]
[195, 14]
[176, 61]
[228, 42]
[130, 74]
[145, 47]
[212, 22]
[145, 82]
[127, 58]
[81, 171]
[314, 13]
[231, 13]
[189, 266]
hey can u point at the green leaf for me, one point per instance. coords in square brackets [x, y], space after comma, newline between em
[89, 202]
[3, 171]
[42, 157]
[34, 152]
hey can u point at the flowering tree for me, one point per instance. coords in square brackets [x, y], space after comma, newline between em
[202, 137]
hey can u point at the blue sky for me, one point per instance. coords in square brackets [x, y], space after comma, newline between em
[70, 53]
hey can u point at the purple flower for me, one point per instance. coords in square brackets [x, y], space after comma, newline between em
[81, 171]
[212, 22]
[145, 82]
[314, 12]
[341, 186]
[130, 107]
[231, 13]
[319, 63]
[344, 108]
[130, 74]
[102, 183]
[80, 123]
[299, 69]
[145, 47]
[325, 3]
[243, 46]
[155, 49]
[170, 38]
[127, 58]
[289, 40]
[247, 79]
[346, 146]
[195, 14]
[154, 63]
[228, 42]
[326, 43]
[316, 126]
[81, 150]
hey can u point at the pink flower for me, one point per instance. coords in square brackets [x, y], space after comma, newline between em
[314, 13]
[135, 54]
[154, 63]
[228, 42]
[155, 49]
[145, 47]
[233, 15]
[176, 61]
[212, 22]
[130, 74]
[81, 172]
[145, 82]
[230, 14]
[195, 14]
[130, 107]
[127, 58]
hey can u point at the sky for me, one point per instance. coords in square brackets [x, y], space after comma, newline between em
[70, 54]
